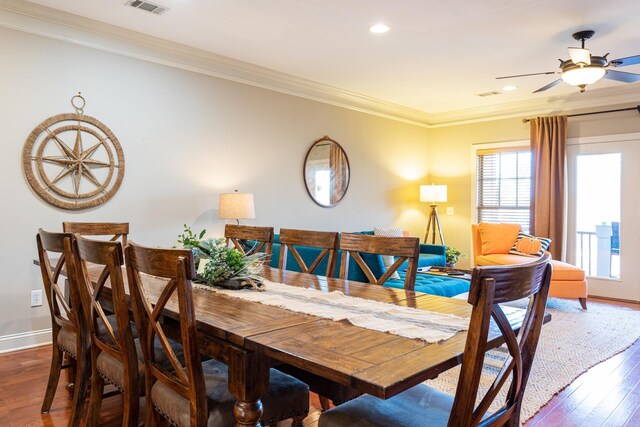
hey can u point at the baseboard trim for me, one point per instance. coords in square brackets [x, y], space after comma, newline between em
[630, 301]
[24, 340]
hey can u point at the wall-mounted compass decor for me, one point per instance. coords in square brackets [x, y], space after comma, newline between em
[73, 161]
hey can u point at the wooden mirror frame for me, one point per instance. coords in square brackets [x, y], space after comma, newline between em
[304, 172]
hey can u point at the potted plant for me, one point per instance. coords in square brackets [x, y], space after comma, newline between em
[219, 265]
[452, 256]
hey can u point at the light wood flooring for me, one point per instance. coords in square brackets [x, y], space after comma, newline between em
[607, 395]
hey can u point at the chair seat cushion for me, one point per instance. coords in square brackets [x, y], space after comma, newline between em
[561, 270]
[287, 398]
[418, 406]
[503, 259]
[67, 341]
[112, 369]
[564, 271]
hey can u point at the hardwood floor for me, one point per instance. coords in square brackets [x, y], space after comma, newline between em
[23, 380]
[607, 395]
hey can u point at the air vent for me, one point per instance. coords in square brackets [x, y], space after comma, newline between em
[494, 92]
[147, 6]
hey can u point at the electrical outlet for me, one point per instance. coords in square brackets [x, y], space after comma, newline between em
[36, 298]
[450, 211]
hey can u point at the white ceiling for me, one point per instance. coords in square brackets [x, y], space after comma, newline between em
[438, 55]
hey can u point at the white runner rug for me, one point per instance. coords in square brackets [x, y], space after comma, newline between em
[407, 322]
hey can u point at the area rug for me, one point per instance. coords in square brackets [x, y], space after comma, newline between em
[570, 344]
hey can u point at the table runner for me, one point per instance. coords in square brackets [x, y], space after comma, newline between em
[407, 322]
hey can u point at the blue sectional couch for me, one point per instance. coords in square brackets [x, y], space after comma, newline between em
[430, 255]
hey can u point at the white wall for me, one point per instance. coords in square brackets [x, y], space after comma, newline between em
[186, 138]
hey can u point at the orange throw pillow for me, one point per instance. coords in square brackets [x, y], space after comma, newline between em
[498, 238]
[529, 245]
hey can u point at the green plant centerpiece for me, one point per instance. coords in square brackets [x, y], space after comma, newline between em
[219, 265]
[453, 255]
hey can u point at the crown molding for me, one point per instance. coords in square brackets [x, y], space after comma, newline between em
[561, 104]
[44, 21]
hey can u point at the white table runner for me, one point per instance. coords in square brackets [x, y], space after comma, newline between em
[407, 322]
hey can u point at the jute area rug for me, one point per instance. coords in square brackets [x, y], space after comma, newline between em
[570, 344]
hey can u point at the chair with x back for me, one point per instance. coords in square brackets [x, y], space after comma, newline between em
[238, 235]
[113, 352]
[423, 405]
[328, 242]
[117, 230]
[403, 248]
[325, 240]
[193, 393]
[68, 326]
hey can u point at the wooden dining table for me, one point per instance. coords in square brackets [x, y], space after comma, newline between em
[252, 337]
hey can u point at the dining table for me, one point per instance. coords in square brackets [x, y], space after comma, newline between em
[251, 338]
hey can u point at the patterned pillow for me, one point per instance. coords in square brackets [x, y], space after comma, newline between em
[388, 260]
[529, 245]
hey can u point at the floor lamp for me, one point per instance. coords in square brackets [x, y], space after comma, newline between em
[433, 193]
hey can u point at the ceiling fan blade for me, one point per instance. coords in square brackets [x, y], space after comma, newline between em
[580, 56]
[623, 62]
[621, 76]
[525, 75]
[549, 86]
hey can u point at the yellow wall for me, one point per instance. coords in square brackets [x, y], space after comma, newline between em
[451, 162]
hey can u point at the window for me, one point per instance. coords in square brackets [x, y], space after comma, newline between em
[503, 192]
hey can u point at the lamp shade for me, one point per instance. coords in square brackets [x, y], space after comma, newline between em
[236, 206]
[433, 193]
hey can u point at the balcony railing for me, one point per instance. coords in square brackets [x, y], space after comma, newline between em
[586, 239]
[598, 253]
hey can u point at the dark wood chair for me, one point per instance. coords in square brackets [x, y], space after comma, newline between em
[325, 240]
[404, 248]
[118, 230]
[69, 330]
[352, 245]
[237, 235]
[114, 358]
[328, 242]
[193, 393]
[423, 405]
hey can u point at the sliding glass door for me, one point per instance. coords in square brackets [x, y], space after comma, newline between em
[604, 213]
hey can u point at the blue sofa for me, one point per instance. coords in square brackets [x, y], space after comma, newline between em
[430, 255]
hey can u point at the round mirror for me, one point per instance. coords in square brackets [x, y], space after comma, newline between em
[326, 172]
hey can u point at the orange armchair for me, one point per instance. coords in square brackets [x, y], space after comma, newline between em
[567, 281]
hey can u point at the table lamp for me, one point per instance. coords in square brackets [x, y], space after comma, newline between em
[433, 193]
[236, 206]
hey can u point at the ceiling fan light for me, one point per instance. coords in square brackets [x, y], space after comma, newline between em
[583, 75]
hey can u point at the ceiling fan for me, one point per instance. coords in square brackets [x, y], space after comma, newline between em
[583, 69]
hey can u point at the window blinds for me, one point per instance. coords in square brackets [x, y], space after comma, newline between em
[504, 186]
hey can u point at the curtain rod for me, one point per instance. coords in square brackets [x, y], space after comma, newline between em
[637, 107]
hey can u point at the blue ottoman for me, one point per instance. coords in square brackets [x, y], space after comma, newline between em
[443, 286]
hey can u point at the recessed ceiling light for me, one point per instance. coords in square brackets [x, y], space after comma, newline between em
[509, 88]
[379, 28]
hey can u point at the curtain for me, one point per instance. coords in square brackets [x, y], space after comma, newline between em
[548, 153]
[339, 178]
